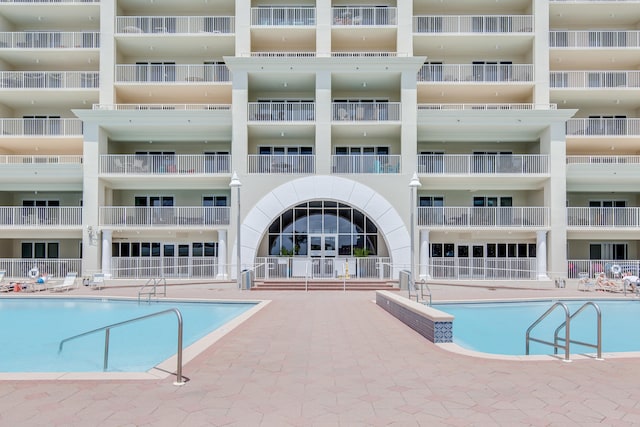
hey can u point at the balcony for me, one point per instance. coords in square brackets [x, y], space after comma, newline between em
[165, 216]
[40, 160]
[494, 106]
[16, 171]
[366, 164]
[472, 164]
[356, 16]
[47, 217]
[594, 39]
[281, 111]
[166, 165]
[281, 164]
[603, 127]
[603, 173]
[594, 79]
[175, 24]
[483, 217]
[49, 40]
[599, 218]
[366, 111]
[59, 267]
[49, 79]
[488, 24]
[172, 73]
[476, 73]
[277, 16]
[40, 127]
[161, 107]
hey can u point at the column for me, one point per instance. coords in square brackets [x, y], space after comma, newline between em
[541, 254]
[323, 123]
[423, 255]
[222, 255]
[107, 238]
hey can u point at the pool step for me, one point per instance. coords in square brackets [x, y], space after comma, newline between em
[322, 285]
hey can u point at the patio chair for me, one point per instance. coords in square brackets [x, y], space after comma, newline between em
[68, 283]
[97, 281]
[585, 283]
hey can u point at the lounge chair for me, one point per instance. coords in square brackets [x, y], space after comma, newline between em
[585, 283]
[606, 285]
[97, 281]
[4, 287]
[68, 283]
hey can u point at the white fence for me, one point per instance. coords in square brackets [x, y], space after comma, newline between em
[162, 107]
[473, 24]
[175, 24]
[163, 216]
[364, 16]
[594, 79]
[177, 267]
[600, 126]
[272, 16]
[171, 73]
[594, 39]
[484, 73]
[459, 268]
[281, 164]
[378, 268]
[603, 160]
[366, 163]
[471, 164]
[496, 106]
[49, 79]
[40, 159]
[587, 217]
[56, 268]
[48, 39]
[41, 127]
[177, 164]
[20, 216]
[523, 217]
[366, 111]
[281, 111]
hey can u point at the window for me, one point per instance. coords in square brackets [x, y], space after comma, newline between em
[214, 201]
[156, 71]
[40, 250]
[431, 201]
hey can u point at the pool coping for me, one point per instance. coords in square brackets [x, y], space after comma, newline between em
[162, 370]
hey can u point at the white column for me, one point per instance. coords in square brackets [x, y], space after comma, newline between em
[222, 255]
[541, 254]
[423, 255]
[107, 237]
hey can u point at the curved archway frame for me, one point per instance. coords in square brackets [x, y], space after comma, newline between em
[353, 193]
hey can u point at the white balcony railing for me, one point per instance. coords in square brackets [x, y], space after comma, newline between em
[585, 217]
[40, 127]
[27, 216]
[56, 268]
[364, 16]
[49, 79]
[496, 106]
[40, 159]
[490, 268]
[371, 54]
[488, 24]
[592, 267]
[145, 267]
[594, 79]
[49, 40]
[474, 73]
[281, 111]
[163, 216]
[594, 39]
[178, 164]
[281, 267]
[279, 54]
[598, 126]
[480, 164]
[170, 73]
[281, 164]
[276, 16]
[366, 111]
[603, 160]
[162, 107]
[366, 164]
[175, 24]
[483, 217]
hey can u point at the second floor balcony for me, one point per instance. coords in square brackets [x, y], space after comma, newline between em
[277, 16]
[483, 217]
[163, 216]
[594, 39]
[364, 16]
[40, 127]
[172, 73]
[476, 73]
[603, 127]
[158, 25]
[483, 164]
[594, 79]
[489, 24]
[49, 40]
[281, 163]
[599, 218]
[289, 111]
[172, 165]
[49, 79]
[366, 111]
[48, 217]
[376, 164]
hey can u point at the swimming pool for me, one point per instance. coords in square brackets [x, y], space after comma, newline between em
[500, 328]
[32, 329]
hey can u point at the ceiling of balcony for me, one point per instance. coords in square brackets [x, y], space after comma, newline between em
[283, 39]
[173, 7]
[442, 93]
[602, 145]
[598, 59]
[596, 98]
[440, 47]
[174, 93]
[451, 7]
[43, 16]
[51, 59]
[42, 145]
[593, 14]
[167, 47]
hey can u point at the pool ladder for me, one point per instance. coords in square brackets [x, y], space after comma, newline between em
[567, 326]
[152, 288]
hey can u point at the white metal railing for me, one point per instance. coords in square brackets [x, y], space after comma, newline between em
[165, 266]
[281, 111]
[603, 217]
[280, 54]
[20, 216]
[367, 163]
[495, 106]
[49, 1]
[298, 267]
[603, 160]
[594, 79]
[471, 164]
[176, 164]
[366, 111]
[58, 267]
[461, 268]
[170, 73]
[49, 79]
[601, 126]
[371, 54]
[281, 164]
[473, 24]
[591, 267]
[163, 216]
[41, 127]
[272, 16]
[175, 24]
[49, 39]
[485, 73]
[464, 216]
[40, 159]
[594, 39]
[163, 107]
[364, 16]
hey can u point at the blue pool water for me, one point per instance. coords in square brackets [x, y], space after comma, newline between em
[32, 329]
[500, 328]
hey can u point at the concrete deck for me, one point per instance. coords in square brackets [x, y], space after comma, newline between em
[334, 358]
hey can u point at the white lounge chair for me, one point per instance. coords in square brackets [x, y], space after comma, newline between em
[68, 283]
[97, 281]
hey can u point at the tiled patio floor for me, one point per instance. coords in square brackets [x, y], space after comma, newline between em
[336, 359]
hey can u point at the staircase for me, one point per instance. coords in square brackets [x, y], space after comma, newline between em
[323, 285]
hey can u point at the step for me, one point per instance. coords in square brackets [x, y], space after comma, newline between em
[326, 285]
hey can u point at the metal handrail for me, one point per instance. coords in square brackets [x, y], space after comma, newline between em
[107, 329]
[154, 281]
[598, 345]
[555, 345]
[423, 284]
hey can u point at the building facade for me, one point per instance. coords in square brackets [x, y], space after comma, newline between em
[461, 140]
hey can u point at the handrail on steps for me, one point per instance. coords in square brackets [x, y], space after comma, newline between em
[107, 329]
[554, 345]
[598, 345]
[154, 281]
